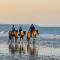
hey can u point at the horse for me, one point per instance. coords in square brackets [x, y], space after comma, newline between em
[33, 35]
[21, 35]
[13, 34]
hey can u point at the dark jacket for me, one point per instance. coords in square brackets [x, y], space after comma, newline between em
[13, 28]
[20, 29]
[32, 27]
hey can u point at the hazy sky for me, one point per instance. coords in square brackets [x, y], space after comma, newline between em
[42, 12]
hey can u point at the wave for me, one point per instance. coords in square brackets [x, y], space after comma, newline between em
[49, 36]
[43, 36]
[3, 34]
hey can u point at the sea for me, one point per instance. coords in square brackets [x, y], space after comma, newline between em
[47, 43]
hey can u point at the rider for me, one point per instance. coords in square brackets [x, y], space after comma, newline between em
[20, 29]
[13, 28]
[32, 28]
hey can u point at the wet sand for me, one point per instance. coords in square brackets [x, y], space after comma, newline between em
[43, 53]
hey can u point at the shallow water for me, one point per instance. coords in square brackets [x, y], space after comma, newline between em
[47, 44]
[44, 52]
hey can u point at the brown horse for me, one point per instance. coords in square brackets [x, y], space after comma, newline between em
[33, 35]
[13, 34]
[21, 35]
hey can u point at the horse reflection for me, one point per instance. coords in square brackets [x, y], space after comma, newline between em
[33, 49]
[13, 48]
[21, 50]
[13, 35]
[16, 49]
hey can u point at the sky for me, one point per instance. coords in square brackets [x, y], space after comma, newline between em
[41, 12]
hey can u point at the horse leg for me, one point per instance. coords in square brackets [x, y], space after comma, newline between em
[33, 43]
[22, 43]
[16, 45]
[12, 39]
[20, 49]
[20, 38]
[15, 40]
[28, 46]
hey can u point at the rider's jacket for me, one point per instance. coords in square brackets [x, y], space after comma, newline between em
[32, 28]
[13, 28]
[20, 29]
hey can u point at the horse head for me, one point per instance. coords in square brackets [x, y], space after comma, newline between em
[37, 32]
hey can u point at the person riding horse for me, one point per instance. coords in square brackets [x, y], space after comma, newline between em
[20, 29]
[32, 28]
[13, 30]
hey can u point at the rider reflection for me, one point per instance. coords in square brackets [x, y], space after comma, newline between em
[20, 29]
